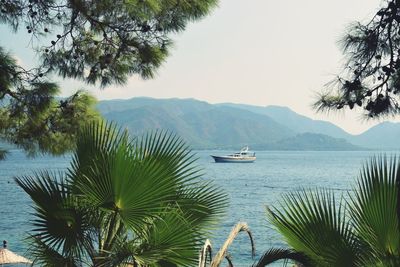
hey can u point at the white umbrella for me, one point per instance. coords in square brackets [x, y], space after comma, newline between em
[8, 257]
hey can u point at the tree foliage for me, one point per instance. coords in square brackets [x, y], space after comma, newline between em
[31, 115]
[361, 230]
[371, 78]
[100, 42]
[123, 202]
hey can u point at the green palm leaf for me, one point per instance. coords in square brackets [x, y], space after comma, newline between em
[59, 223]
[364, 232]
[202, 202]
[45, 255]
[124, 201]
[313, 225]
[138, 179]
[374, 207]
[94, 140]
[276, 254]
[169, 241]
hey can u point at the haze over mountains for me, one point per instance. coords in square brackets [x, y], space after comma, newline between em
[230, 126]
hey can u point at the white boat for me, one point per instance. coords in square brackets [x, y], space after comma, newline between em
[244, 156]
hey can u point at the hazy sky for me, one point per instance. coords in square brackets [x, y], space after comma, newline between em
[259, 52]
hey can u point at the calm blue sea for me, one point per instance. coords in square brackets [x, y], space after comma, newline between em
[250, 188]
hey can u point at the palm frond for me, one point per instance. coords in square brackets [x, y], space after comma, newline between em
[203, 203]
[228, 258]
[116, 179]
[223, 252]
[45, 255]
[138, 178]
[206, 249]
[125, 201]
[94, 139]
[312, 224]
[171, 153]
[374, 206]
[59, 222]
[169, 241]
[174, 239]
[276, 254]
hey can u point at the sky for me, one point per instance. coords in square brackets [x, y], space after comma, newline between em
[257, 52]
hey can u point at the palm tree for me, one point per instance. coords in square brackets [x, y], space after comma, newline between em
[362, 229]
[123, 202]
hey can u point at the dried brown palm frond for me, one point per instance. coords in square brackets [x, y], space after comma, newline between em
[223, 252]
[205, 250]
[229, 259]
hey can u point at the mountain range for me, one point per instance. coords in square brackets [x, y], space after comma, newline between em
[230, 126]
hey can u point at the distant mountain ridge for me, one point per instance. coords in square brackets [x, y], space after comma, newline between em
[201, 124]
[295, 121]
[384, 136]
[220, 126]
[311, 141]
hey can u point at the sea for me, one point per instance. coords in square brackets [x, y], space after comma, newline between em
[251, 187]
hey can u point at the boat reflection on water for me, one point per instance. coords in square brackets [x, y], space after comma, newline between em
[244, 156]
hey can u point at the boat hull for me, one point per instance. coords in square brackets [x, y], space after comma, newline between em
[221, 159]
